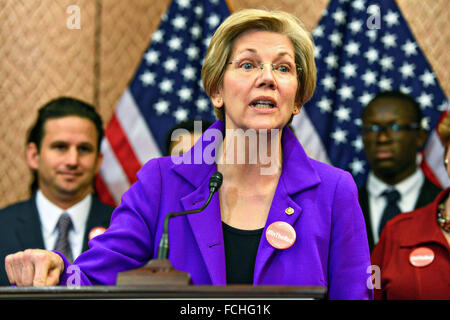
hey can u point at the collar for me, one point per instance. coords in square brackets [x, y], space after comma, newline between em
[49, 212]
[376, 187]
[297, 173]
[424, 228]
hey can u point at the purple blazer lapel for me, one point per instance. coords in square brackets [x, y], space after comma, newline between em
[207, 229]
[281, 201]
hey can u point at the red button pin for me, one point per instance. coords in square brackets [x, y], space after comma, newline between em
[96, 231]
[280, 235]
[421, 257]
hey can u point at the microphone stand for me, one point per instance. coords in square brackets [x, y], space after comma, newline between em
[160, 271]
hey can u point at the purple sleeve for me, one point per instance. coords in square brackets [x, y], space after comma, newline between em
[349, 256]
[128, 242]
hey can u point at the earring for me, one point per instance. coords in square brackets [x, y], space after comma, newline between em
[446, 161]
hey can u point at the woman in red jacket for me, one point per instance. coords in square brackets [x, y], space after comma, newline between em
[414, 248]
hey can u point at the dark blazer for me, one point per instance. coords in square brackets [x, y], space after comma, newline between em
[427, 194]
[20, 228]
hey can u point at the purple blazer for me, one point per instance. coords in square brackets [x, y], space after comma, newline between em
[331, 248]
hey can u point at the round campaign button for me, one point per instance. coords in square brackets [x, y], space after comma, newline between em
[280, 235]
[96, 232]
[421, 257]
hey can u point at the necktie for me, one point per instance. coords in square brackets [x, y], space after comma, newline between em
[62, 243]
[391, 209]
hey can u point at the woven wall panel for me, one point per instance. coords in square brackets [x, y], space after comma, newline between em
[41, 58]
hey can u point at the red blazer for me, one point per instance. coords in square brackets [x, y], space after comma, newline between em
[404, 233]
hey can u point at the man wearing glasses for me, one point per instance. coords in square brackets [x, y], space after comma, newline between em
[392, 135]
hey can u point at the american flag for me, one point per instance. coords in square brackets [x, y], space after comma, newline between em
[166, 89]
[363, 47]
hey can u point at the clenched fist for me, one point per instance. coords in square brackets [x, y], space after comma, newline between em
[34, 267]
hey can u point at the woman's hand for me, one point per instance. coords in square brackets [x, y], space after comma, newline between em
[34, 267]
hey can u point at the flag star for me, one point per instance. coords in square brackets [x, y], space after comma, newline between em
[335, 38]
[339, 136]
[206, 41]
[181, 114]
[407, 70]
[213, 21]
[365, 98]
[179, 22]
[389, 40]
[318, 31]
[405, 89]
[352, 48]
[371, 55]
[196, 31]
[189, 73]
[198, 11]
[355, 26]
[166, 86]
[175, 43]
[425, 100]
[425, 123]
[152, 56]
[427, 78]
[202, 104]
[385, 83]
[147, 78]
[184, 3]
[445, 105]
[162, 106]
[357, 166]
[391, 18]
[409, 48]
[192, 52]
[317, 50]
[349, 70]
[324, 105]
[358, 144]
[343, 114]
[170, 65]
[185, 94]
[369, 78]
[339, 16]
[346, 92]
[387, 63]
[158, 36]
[328, 82]
[358, 5]
[371, 34]
[332, 61]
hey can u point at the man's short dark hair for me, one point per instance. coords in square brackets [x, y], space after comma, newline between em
[396, 94]
[60, 108]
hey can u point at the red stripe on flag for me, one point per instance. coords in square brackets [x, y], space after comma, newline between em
[102, 191]
[122, 149]
[429, 173]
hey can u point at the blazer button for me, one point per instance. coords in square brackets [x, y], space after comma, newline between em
[289, 211]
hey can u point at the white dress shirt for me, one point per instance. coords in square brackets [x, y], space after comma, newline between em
[49, 214]
[409, 190]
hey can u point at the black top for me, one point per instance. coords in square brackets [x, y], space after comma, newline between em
[240, 253]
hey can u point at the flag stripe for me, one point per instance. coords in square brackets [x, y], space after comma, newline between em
[102, 189]
[122, 149]
[112, 173]
[136, 130]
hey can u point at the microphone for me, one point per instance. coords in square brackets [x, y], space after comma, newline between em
[214, 184]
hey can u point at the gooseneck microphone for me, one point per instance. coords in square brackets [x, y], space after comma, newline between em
[214, 184]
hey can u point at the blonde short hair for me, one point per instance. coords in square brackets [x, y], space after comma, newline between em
[221, 45]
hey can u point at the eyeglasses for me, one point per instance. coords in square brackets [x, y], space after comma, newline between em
[391, 128]
[250, 67]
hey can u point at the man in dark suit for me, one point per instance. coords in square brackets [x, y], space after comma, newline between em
[63, 213]
[392, 135]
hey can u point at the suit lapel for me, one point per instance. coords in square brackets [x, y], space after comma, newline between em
[207, 229]
[97, 217]
[28, 227]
